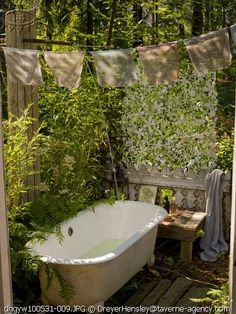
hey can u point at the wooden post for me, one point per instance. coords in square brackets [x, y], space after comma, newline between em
[20, 25]
[5, 266]
[232, 266]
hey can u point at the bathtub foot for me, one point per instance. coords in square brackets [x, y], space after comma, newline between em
[151, 261]
[150, 264]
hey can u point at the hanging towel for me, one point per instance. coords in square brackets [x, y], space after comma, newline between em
[233, 33]
[115, 68]
[210, 52]
[160, 63]
[213, 243]
[23, 66]
[66, 67]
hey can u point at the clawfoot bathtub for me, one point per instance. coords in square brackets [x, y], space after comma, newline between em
[103, 248]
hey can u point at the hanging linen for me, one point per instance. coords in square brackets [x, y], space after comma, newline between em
[210, 52]
[160, 63]
[115, 68]
[23, 66]
[66, 67]
[233, 33]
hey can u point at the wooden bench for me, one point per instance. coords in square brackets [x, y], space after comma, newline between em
[184, 227]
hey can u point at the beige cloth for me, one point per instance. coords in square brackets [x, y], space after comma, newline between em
[23, 66]
[66, 67]
[115, 68]
[160, 63]
[210, 52]
[233, 33]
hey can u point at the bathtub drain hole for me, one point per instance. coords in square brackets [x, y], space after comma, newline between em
[70, 231]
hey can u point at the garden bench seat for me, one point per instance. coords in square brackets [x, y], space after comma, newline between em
[183, 226]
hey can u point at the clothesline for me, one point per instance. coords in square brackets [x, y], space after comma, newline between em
[70, 43]
[209, 53]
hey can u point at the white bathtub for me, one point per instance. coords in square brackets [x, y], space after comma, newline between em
[102, 249]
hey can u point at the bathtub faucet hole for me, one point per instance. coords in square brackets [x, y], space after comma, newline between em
[70, 231]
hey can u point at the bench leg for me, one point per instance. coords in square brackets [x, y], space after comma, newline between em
[186, 251]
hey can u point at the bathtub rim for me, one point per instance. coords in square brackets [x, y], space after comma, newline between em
[154, 222]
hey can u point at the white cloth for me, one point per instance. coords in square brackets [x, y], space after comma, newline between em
[115, 68]
[210, 52]
[23, 66]
[66, 67]
[213, 243]
[233, 33]
[160, 63]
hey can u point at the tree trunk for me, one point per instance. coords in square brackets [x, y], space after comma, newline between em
[207, 16]
[138, 15]
[197, 20]
[112, 19]
[89, 23]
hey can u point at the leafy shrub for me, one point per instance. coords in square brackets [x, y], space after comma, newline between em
[20, 154]
[75, 132]
[171, 125]
[216, 298]
[225, 145]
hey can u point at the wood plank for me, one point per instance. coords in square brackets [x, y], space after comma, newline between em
[172, 232]
[184, 227]
[20, 25]
[6, 297]
[186, 250]
[232, 265]
[141, 293]
[192, 293]
[189, 220]
[175, 292]
[154, 296]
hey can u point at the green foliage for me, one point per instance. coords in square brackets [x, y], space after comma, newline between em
[66, 289]
[224, 152]
[171, 125]
[76, 131]
[217, 298]
[20, 154]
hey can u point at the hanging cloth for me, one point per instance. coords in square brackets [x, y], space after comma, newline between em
[210, 52]
[66, 67]
[115, 68]
[160, 63]
[213, 243]
[233, 33]
[23, 66]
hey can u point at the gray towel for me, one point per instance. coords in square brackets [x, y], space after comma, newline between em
[213, 243]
